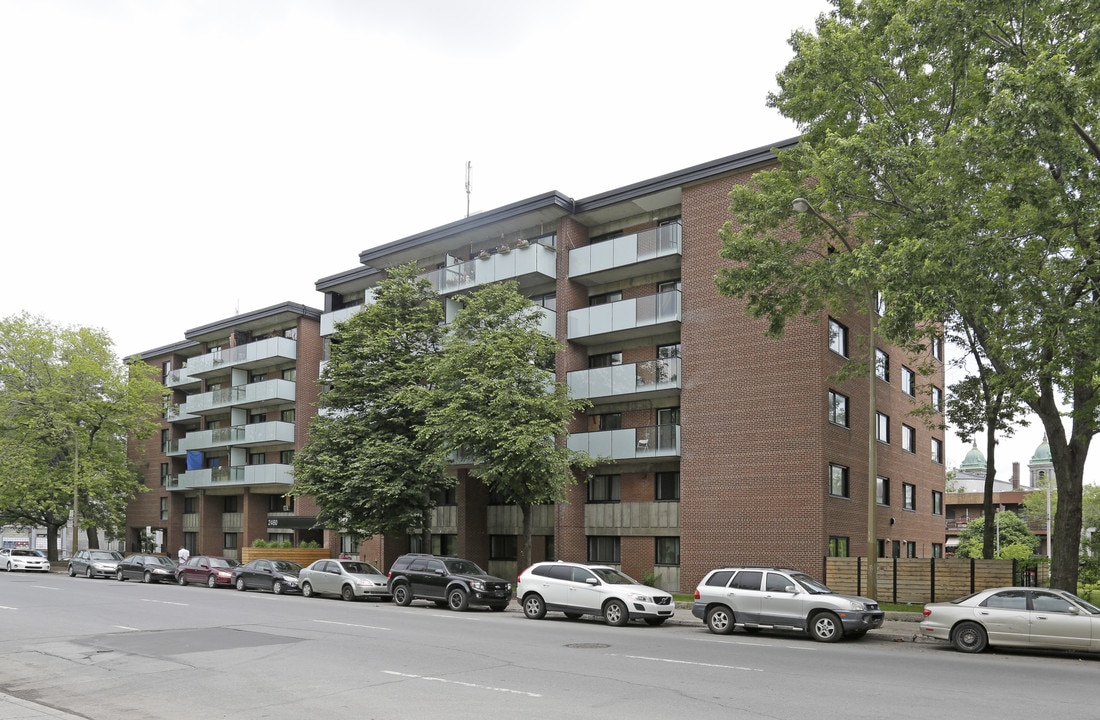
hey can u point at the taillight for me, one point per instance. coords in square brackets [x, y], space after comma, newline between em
[927, 612]
[696, 593]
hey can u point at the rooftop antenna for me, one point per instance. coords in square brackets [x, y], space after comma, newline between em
[468, 188]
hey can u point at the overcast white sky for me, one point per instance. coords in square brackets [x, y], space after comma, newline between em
[166, 164]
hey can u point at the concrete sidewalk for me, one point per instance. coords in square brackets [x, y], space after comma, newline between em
[13, 708]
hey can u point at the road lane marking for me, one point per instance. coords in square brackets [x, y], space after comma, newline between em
[165, 602]
[45, 587]
[5, 607]
[124, 627]
[688, 662]
[463, 684]
[333, 622]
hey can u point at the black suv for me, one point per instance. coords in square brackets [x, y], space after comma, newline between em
[446, 581]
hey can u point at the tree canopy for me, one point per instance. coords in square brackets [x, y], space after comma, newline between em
[952, 144]
[68, 405]
[1013, 538]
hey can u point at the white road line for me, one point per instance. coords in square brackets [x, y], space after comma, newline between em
[165, 602]
[688, 662]
[5, 607]
[333, 622]
[463, 684]
[45, 587]
[124, 627]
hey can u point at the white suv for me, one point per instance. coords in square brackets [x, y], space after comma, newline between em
[576, 590]
[756, 598]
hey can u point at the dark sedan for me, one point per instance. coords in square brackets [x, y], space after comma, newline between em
[206, 570]
[278, 576]
[147, 568]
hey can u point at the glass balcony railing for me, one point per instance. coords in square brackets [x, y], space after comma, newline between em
[626, 251]
[252, 394]
[238, 475]
[180, 377]
[633, 318]
[253, 353]
[517, 263]
[622, 380]
[629, 443]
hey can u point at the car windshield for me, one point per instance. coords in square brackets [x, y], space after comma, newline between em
[463, 567]
[287, 567]
[360, 568]
[105, 556]
[1092, 609]
[614, 577]
[25, 553]
[223, 562]
[812, 586]
[161, 560]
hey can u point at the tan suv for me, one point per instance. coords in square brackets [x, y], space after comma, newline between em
[755, 598]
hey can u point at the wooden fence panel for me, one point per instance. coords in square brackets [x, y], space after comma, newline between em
[918, 580]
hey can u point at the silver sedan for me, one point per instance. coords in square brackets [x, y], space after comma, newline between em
[1022, 617]
[348, 579]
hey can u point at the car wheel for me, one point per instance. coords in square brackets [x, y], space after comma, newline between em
[307, 590]
[720, 620]
[240, 584]
[347, 593]
[457, 600]
[969, 637]
[655, 621]
[9, 568]
[182, 580]
[615, 613]
[498, 607]
[401, 595]
[147, 577]
[277, 587]
[534, 607]
[88, 573]
[574, 616]
[72, 571]
[825, 627]
[211, 582]
[119, 576]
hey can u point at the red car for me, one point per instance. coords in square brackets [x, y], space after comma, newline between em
[206, 570]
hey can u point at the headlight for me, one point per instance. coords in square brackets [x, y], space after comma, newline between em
[477, 585]
[290, 580]
[855, 605]
[641, 598]
[222, 574]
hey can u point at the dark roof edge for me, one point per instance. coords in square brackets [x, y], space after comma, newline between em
[291, 307]
[548, 199]
[163, 350]
[721, 166]
[342, 277]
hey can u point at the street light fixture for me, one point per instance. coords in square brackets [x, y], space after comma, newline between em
[802, 205]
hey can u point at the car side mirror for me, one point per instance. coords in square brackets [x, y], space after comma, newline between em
[790, 589]
[591, 581]
[440, 572]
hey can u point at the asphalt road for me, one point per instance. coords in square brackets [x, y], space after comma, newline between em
[105, 649]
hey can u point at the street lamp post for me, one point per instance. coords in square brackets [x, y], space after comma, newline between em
[802, 205]
[76, 475]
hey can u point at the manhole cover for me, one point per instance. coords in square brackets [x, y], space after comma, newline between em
[587, 646]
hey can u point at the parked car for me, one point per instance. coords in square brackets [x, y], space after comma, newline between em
[147, 568]
[446, 581]
[1015, 617]
[12, 559]
[94, 563]
[208, 570]
[348, 579]
[575, 590]
[755, 598]
[278, 576]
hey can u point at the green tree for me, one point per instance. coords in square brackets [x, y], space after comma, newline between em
[68, 405]
[497, 404]
[1013, 533]
[953, 144]
[365, 462]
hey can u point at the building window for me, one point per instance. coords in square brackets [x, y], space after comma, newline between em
[445, 545]
[163, 474]
[164, 508]
[503, 547]
[838, 408]
[908, 496]
[257, 418]
[937, 451]
[603, 549]
[882, 427]
[548, 301]
[937, 550]
[668, 486]
[880, 304]
[910, 549]
[190, 505]
[882, 490]
[667, 551]
[286, 457]
[165, 371]
[908, 382]
[937, 348]
[287, 416]
[230, 504]
[164, 442]
[603, 488]
[605, 360]
[290, 374]
[838, 338]
[838, 481]
[280, 503]
[937, 398]
[908, 439]
[190, 540]
[349, 544]
[446, 497]
[257, 458]
[937, 502]
[257, 377]
[606, 421]
[882, 365]
[605, 298]
[230, 541]
[838, 546]
[664, 352]
[668, 286]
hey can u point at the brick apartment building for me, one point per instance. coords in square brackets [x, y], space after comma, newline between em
[727, 446]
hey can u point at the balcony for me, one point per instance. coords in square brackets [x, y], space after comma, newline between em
[278, 476]
[532, 265]
[253, 355]
[650, 251]
[180, 378]
[626, 319]
[254, 435]
[650, 379]
[640, 443]
[330, 319]
[632, 518]
[254, 394]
